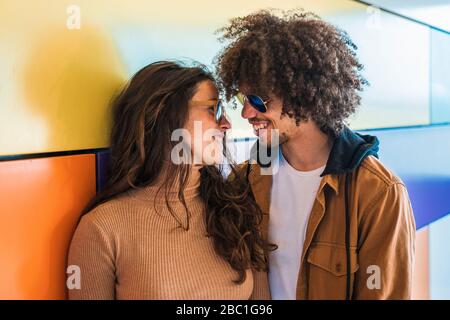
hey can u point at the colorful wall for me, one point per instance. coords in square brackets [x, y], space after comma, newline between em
[62, 61]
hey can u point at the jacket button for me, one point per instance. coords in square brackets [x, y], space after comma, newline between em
[338, 267]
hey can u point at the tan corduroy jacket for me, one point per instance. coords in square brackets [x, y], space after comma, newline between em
[380, 227]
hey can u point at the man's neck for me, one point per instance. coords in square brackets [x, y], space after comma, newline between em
[309, 150]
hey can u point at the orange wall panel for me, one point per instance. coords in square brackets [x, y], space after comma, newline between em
[40, 203]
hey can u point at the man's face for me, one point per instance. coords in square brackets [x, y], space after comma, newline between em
[265, 123]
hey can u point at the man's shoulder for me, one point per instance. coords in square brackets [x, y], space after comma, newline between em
[375, 181]
[372, 170]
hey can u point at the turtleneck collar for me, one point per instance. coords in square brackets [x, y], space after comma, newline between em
[155, 193]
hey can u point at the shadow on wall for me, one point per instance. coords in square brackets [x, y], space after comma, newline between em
[69, 80]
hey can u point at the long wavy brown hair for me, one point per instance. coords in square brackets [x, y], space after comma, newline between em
[152, 105]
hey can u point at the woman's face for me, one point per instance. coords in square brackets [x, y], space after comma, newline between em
[206, 134]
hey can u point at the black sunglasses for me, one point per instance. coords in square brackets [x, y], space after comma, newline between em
[255, 101]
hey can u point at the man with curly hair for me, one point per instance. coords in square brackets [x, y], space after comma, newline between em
[342, 221]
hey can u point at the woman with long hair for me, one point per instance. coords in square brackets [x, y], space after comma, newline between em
[167, 226]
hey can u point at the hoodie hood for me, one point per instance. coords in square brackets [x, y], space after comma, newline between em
[349, 150]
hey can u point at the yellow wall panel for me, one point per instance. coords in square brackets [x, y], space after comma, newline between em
[57, 90]
[56, 80]
[61, 63]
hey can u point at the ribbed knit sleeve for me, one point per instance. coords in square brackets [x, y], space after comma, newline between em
[92, 251]
[261, 289]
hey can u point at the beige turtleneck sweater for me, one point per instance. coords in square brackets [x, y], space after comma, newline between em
[127, 250]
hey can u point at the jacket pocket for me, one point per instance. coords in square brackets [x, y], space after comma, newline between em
[327, 270]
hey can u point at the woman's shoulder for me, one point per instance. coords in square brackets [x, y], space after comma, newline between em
[109, 212]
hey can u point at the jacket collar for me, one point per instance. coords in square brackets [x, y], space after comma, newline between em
[348, 151]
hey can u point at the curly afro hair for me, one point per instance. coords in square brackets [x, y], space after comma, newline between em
[310, 64]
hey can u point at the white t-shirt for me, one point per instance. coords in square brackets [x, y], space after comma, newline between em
[292, 197]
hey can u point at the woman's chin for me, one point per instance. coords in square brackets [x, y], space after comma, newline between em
[213, 159]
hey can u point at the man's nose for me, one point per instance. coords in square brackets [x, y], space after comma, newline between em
[248, 111]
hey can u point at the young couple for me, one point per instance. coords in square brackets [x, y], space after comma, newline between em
[331, 223]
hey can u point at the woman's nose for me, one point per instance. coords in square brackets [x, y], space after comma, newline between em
[224, 124]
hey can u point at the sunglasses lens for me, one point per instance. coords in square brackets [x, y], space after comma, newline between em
[241, 98]
[219, 111]
[257, 103]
